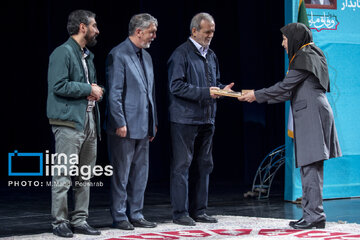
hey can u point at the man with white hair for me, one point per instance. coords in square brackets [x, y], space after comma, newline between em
[131, 121]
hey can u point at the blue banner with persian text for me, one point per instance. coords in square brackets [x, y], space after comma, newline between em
[336, 30]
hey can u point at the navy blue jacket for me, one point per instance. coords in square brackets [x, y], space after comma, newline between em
[190, 76]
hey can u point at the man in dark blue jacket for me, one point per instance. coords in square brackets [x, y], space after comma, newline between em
[193, 70]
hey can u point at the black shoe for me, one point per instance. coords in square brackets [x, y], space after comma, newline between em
[306, 225]
[86, 229]
[291, 223]
[204, 218]
[185, 220]
[124, 225]
[63, 230]
[143, 223]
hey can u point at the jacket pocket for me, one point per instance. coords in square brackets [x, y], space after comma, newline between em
[302, 104]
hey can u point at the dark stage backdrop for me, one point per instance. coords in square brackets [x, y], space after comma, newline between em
[248, 45]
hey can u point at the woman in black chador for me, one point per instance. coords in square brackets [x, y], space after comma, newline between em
[315, 136]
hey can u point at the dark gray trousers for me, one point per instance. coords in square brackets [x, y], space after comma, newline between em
[312, 177]
[130, 161]
[189, 192]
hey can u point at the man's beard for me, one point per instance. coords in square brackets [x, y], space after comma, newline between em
[207, 43]
[90, 41]
[146, 44]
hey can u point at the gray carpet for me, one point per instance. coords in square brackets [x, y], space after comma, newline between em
[228, 227]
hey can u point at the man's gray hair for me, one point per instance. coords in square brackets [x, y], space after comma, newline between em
[196, 20]
[142, 21]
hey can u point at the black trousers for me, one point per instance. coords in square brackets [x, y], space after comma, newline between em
[191, 165]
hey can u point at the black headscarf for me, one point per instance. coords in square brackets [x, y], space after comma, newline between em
[310, 57]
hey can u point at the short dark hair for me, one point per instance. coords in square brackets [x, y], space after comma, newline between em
[141, 21]
[75, 18]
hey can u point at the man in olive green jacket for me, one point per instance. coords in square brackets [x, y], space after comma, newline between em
[73, 113]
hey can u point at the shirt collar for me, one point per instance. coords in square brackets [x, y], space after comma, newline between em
[86, 52]
[202, 50]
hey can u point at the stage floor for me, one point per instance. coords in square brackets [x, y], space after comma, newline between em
[25, 211]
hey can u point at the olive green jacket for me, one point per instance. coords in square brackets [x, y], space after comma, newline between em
[68, 88]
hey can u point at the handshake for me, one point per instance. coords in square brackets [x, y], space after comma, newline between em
[247, 96]
[96, 93]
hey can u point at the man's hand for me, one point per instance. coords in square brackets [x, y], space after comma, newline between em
[248, 97]
[212, 95]
[152, 138]
[96, 92]
[91, 98]
[228, 87]
[121, 131]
